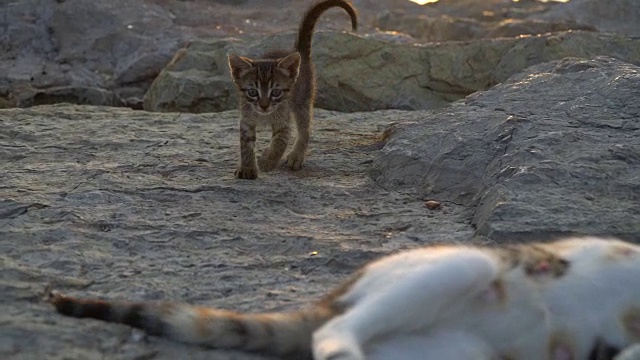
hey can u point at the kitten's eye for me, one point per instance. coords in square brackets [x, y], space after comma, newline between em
[276, 93]
[252, 93]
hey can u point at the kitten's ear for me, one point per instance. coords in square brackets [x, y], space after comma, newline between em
[290, 65]
[239, 65]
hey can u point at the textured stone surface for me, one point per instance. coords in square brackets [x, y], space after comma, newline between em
[364, 74]
[120, 46]
[117, 203]
[617, 16]
[440, 28]
[108, 53]
[108, 47]
[552, 151]
[448, 20]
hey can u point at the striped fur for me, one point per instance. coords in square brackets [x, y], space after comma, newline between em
[276, 333]
[573, 299]
[285, 334]
[275, 87]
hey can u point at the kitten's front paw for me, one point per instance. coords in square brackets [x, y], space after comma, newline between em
[246, 173]
[265, 164]
[295, 160]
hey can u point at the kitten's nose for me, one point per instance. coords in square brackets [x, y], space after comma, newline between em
[264, 107]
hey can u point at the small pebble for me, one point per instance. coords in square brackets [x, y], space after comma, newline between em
[432, 204]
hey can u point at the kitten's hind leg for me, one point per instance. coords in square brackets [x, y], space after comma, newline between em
[271, 155]
[414, 302]
[303, 114]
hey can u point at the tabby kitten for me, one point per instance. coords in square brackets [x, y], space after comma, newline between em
[573, 299]
[273, 88]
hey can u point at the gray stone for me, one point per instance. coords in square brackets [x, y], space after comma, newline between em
[67, 94]
[196, 80]
[617, 16]
[551, 151]
[489, 18]
[439, 28]
[120, 46]
[464, 20]
[116, 203]
[79, 44]
[365, 74]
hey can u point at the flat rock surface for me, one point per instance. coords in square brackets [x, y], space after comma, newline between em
[553, 150]
[113, 203]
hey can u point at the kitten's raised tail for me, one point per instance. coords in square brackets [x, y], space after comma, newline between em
[283, 334]
[303, 43]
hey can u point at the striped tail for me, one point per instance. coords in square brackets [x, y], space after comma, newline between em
[281, 334]
[303, 43]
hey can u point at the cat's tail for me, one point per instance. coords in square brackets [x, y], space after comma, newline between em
[281, 334]
[303, 43]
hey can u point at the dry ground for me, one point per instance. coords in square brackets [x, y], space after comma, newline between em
[113, 203]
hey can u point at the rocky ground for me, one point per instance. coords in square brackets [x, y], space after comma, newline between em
[116, 203]
[113, 203]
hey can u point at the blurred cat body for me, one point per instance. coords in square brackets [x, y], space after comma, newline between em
[572, 299]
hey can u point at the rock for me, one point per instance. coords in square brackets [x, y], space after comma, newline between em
[119, 47]
[82, 49]
[464, 20]
[364, 74]
[196, 80]
[67, 94]
[488, 10]
[429, 28]
[204, 84]
[230, 2]
[115, 203]
[617, 16]
[551, 151]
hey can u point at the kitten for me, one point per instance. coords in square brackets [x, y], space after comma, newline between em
[573, 299]
[273, 88]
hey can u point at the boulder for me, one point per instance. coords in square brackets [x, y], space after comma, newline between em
[464, 20]
[69, 94]
[114, 203]
[553, 150]
[617, 16]
[119, 47]
[82, 48]
[112, 51]
[487, 10]
[439, 28]
[362, 74]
